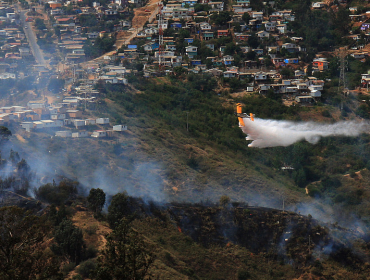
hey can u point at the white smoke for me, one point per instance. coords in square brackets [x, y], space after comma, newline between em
[273, 133]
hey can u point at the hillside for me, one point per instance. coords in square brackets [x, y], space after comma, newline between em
[229, 241]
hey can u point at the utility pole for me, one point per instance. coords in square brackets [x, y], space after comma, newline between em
[342, 67]
[160, 39]
[187, 121]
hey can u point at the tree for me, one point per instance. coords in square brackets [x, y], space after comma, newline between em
[224, 200]
[126, 255]
[96, 200]
[14, 157]
[118, 209]
[5, 133]
[55, 85]
[179, 71]
[23, 168]
[69, 241]
[253, 41]
[246, 18]
[22, 252]
[52, 193]
[286, 72]
[39, 24]
[221, 18]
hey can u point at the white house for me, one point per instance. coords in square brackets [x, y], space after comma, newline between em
[90, 121]
[48, 123]
[64, 133]
[282, 28]
[315, 93]
[260, 76]
[257, 15]
[263, 34]
[27, 126]
[38, 125]
[120, 127]
[79, 123]
[318, 5]
[99, 134]
[102, 121]
[80, 134]
[205, 26]
[270, 26]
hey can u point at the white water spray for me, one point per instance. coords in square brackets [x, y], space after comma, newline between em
[273, 133]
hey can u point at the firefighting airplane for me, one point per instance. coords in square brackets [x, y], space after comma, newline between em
[241, 115]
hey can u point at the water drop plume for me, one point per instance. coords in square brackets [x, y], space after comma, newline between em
[272, 133]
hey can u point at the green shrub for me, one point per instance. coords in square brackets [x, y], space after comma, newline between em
[91, 252]
[86, 267]
[224, 200]
[314, 192]
[67, 268]
[91, 230]
[57, 194]
[243, 274]
[326, 114]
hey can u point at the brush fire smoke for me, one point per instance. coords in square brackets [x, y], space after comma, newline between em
[273, 133]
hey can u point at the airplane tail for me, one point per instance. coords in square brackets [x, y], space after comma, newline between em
[238, 108]
[241, 122]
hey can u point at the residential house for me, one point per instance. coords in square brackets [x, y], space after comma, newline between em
[318, 5]
[281, 28]
[222, 33]
[207, 35]
[241, 36]
[191, 51]
[321, 64]
[365, 26]
[257, 15]
[270, 26]
[176, 25]
[80, 134]
[196, 62]
[150, 47]
[188, 3]
[205, 26]
[359, 55]
[304, 99]
[244, 3]
[74, 114]
[260, 76]
[120, 127]
[189, 40]
[64, 133]
[259, 52]
[99, 134]
[290, 47]
[263, 34]
[230, 74]
[211, 46]
[102, 121]
[216, 6]
[291, 60]
[228, 60]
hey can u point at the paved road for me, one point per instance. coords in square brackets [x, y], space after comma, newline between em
[31, 37]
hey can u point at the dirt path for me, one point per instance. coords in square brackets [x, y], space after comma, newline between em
[85, 220]
[142, 15]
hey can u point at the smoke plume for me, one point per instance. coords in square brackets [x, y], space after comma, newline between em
[273, 133]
